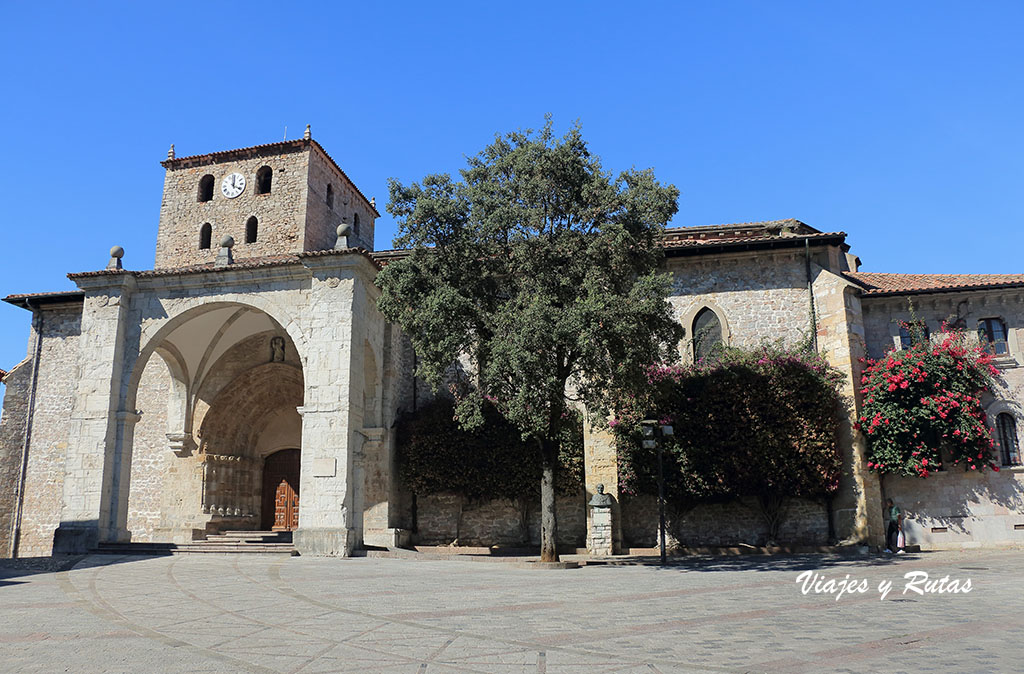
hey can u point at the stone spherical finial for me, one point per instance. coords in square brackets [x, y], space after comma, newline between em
[117, 252]
[307, 135]
[343, 229]
[227, 242]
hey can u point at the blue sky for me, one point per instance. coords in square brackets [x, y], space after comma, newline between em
[898, 123]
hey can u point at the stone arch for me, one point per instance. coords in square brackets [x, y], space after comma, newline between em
[992, 412]
[160, 337]
[229, 440]
[690, 317]
[156, 333]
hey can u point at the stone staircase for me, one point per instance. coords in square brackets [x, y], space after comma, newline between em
[226, 542]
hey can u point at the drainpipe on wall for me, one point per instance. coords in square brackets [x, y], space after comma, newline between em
[29, 415]
[810, 294]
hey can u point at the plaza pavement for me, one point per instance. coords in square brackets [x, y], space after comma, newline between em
[312, 615]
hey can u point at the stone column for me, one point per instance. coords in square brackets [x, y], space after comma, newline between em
[96, 464]
[327, 514]
[601, 468]
[599, 535]
[840, 332]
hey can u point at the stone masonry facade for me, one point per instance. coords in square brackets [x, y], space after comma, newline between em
[150, 402]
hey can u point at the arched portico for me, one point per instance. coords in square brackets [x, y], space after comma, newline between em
[210, 328]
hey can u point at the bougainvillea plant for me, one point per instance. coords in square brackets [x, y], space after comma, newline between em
[748, 423]
[925, 399]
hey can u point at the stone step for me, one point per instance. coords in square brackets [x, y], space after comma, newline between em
[199, 547]
[252, 536]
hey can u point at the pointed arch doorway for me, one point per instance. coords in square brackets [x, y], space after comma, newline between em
[280, 511]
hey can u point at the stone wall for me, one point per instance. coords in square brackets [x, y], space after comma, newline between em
[957, 509]
[322, 222]
[806, 523]
[58, 376]
[951, 508]
[13, 421]
[758, 298]
[281, 213]
[444, 518]
[150, 453]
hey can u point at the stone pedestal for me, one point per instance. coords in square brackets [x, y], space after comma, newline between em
[599, 541]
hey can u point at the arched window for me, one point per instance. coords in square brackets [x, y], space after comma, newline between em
[992, 335]
[252, 229]
[707, 333]
[1009, 448]
[330, 197]
[205, 188]
[355, 223]
[263, 178]
[205, 234]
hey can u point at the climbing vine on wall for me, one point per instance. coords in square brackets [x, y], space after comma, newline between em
[492, 461]
[926, 398]
[757, 423]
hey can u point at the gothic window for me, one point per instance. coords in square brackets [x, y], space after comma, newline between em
[263, 178]
[1009, 448]
[330, 197]
[912, 333]
[205, 233]
[992, 335]
[355, 223]
[707, 333]
[251, 229]
[205, 188]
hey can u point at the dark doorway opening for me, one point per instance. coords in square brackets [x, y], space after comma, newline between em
[280, 510]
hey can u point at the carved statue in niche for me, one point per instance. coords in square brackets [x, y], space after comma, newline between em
[277, 349]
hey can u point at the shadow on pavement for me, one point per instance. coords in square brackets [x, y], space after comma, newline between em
[801, 562]
[21, 567]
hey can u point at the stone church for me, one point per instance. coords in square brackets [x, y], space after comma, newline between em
[248, 382]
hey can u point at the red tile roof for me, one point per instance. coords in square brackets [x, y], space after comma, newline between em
[3, 374]
[242, 263]
[877, 283]
[265, 150]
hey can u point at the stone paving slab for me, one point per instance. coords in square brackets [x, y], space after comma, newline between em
[319, 615]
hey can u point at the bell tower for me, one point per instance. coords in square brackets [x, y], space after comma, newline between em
[274, 199]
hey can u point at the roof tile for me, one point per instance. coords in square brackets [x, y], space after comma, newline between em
[878, 283]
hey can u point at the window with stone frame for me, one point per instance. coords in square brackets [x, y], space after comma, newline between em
[205, 234]
[355, 223]
[205, 189]
[1009, 447]
[264, 176]
[913, 332]
[252, 226]
[330, 196]
[707, 333]
[992, 335]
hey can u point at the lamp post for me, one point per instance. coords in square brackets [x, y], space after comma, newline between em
[652, 433]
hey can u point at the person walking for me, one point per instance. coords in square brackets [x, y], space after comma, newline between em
[895, 518]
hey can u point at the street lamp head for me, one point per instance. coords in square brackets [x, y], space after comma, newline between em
[647, 428]
[667, 431]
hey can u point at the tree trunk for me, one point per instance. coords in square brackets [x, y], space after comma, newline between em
[549, 524]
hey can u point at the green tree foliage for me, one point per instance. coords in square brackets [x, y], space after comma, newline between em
[924, 399]
[437, 454]
[748, 423]
[541, 268]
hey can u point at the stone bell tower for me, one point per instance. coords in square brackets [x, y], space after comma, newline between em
[273, 199]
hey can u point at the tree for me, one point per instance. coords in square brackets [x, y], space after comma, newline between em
[490, 461]
[924, 399]
[760, 422]
[541, 270]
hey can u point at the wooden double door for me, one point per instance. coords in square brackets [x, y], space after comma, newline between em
[281, 491]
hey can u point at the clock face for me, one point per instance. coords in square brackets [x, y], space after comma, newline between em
[232, 185]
